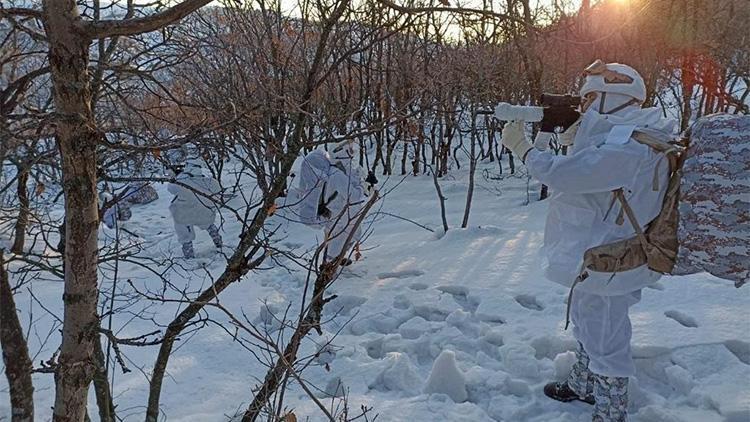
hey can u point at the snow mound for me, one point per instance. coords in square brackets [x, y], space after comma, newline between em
[517, 387]
[656, 414]
[721, 380]
[334, 388]
[519, 360]
[272, 311]
[415, 327]
[446, 378]
[679, 378]
[398, 375]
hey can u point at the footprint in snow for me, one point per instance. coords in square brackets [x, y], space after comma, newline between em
[401, 302]
[529, 302]
[684, 319]
[454, 290]
[461, 296]
[400, 274]
[344, 305]
[418, 286]
[740, 349]
[374, 348]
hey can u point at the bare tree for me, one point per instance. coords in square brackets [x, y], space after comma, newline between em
[15, 353]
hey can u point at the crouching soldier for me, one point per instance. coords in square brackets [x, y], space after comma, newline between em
[332, 196]
[193, 206]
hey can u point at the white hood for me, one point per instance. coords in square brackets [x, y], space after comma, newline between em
[314, 170]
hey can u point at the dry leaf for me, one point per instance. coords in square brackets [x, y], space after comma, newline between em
[39, 189]
[445, 2]
[272, 209]
[289, 417]
[156, 153]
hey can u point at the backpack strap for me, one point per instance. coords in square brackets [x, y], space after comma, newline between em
[618, 193]
[670, 151]
[654, 142]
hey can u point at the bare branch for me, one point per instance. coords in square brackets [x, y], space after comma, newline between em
[448, 9]
[111, 28]
[19, 12]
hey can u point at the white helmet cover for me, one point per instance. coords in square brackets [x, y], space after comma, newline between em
[614, 78]
[314, 169]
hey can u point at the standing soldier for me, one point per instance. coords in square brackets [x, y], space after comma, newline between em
[193, 206]
[582, 214]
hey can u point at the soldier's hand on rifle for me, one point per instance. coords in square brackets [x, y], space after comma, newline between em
[514, 138]
[566, 138]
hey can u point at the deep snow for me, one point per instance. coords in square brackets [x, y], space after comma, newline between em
[475, 295]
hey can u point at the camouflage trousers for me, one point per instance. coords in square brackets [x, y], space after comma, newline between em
[609, 393]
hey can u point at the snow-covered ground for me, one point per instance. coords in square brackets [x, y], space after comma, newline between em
[470, 302]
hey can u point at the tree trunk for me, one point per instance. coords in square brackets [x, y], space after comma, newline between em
[687, 84]
[3, 153]
[490, 123]
[472, 170]
[15, 353]
[77, 138]
[388, 163]
[102, 389]
[442, 199]
[418, 148]
[23, 210]
[378, 151]
[404, 157]
[511, 162]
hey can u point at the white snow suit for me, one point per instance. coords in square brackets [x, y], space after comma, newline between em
[604, 158]
[190, 209]
[340, 189]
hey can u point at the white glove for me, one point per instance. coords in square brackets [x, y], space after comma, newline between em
[514, 138]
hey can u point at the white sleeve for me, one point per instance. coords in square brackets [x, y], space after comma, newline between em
[594, 169]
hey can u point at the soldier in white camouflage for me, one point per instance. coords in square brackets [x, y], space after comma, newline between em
[604, 159]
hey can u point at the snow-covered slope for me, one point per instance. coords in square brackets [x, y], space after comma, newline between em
[475, 297]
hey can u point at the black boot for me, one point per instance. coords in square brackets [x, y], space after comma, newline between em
[560, 391]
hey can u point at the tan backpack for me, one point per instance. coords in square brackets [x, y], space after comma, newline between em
[704, 222]
[658, 245]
